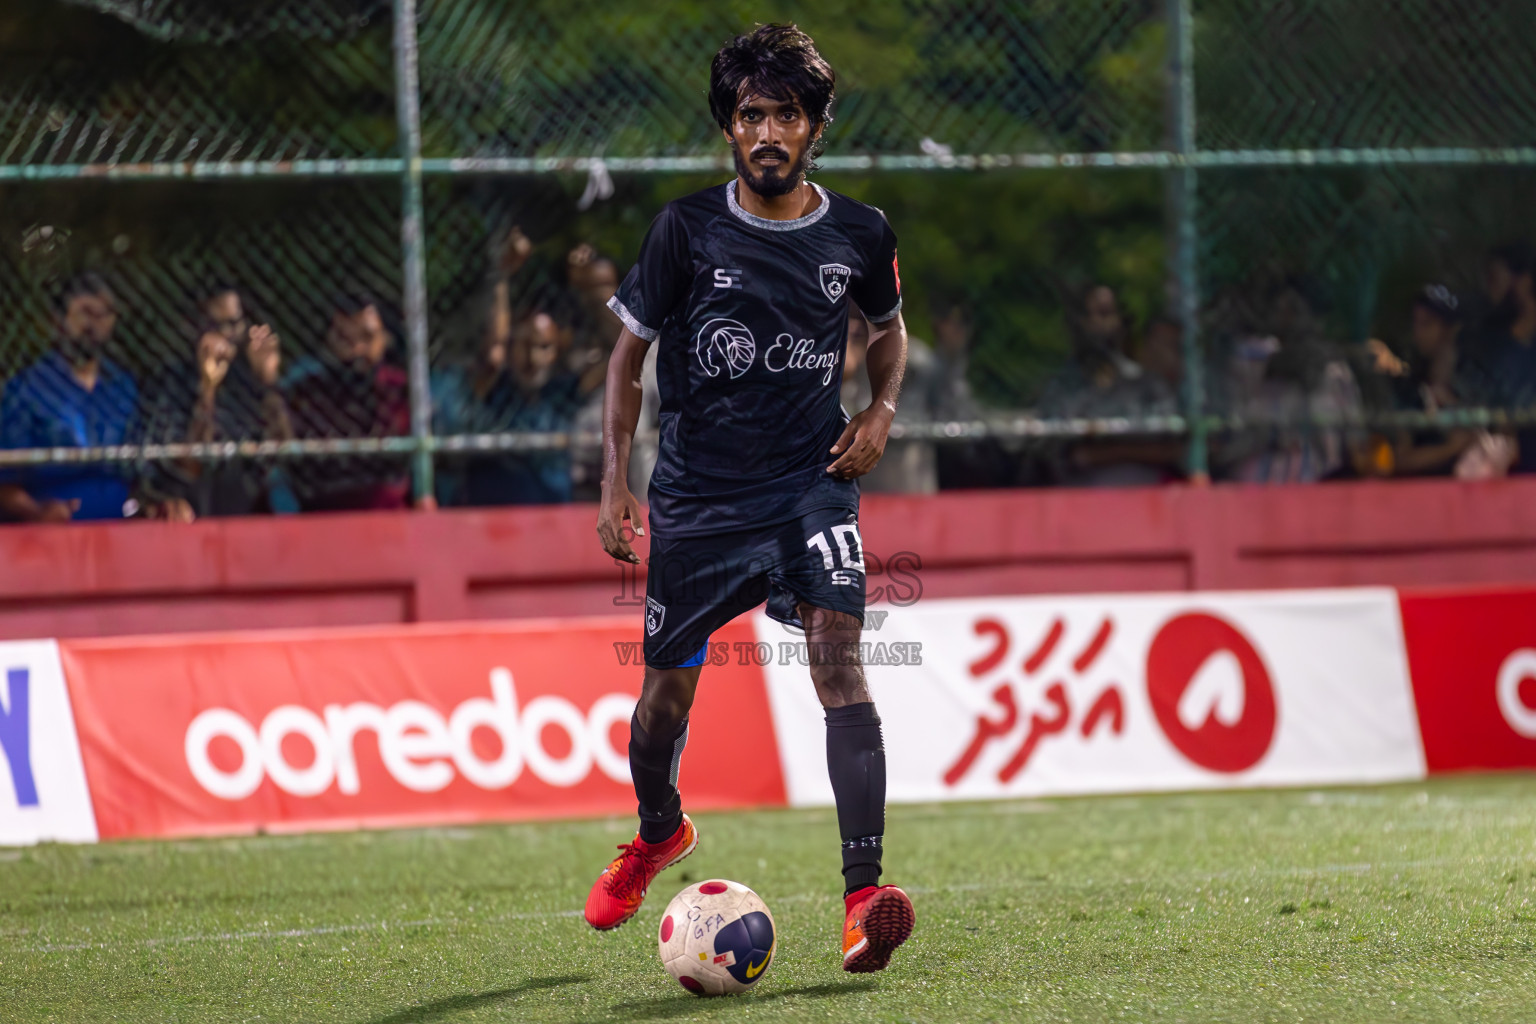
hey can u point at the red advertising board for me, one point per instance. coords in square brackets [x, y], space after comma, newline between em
[980, 698]
[300, 730]
[1473, 659]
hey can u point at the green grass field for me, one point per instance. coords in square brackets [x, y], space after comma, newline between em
[1402, 903]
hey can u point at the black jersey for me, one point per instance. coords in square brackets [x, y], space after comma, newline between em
[751, 316]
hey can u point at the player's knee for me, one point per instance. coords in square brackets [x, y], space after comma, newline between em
[665, 700]
[839, 684]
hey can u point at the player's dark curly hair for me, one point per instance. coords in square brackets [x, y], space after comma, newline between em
[779, 62]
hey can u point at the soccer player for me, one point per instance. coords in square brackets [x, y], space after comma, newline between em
[746, 289]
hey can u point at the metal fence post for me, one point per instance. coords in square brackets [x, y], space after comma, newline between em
[412, 247]
[1181, 74]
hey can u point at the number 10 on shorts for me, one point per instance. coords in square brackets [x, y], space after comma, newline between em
[850, 552]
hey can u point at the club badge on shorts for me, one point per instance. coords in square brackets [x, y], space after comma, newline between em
[655, 612]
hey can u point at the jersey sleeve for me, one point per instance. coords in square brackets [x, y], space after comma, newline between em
[878, 293]
[659, 280]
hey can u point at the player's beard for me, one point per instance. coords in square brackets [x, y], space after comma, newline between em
[772, 182]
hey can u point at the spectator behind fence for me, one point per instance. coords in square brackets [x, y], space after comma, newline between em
[225, 391]
[907, 467]
[1509, 342]
[540, 396]
[1162, 352]
[593, 279]
[978, 462]
[1298, 402]
[350, 391]
[1100, 382]
[516, 383]
[1435, 376]
[467, 398]
[77, 397]
[1497, 307]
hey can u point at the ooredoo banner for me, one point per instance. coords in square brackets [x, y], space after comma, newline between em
[981, 697]
[339, 728]
[1030, 696]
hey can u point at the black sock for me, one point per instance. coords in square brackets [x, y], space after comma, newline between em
[856, 763]
[653, 764]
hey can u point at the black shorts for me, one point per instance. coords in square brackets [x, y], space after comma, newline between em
[695, 585]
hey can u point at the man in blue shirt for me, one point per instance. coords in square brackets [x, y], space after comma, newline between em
[515, 384]
[74, 397]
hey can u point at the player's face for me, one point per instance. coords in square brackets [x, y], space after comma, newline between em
[771, 140]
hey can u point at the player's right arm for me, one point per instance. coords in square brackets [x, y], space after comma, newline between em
[650, 292]
[621, 414]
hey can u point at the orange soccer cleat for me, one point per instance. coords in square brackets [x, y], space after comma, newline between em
[878, 921]
[620, 889]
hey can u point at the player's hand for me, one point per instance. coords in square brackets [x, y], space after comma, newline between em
[617, 505]
[862, 442]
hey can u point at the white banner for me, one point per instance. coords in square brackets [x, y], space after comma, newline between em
[43, 792]
[1033, 696]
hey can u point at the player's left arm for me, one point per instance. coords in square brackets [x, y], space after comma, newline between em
[862, 442]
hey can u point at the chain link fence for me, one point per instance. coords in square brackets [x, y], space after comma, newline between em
[1142, 240]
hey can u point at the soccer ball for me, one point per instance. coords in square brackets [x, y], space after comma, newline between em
[717, 938]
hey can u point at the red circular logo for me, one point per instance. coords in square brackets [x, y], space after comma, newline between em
[1199, 714]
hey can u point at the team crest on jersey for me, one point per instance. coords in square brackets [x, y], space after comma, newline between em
[834, 280]
[725, 344]
[655, 612]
